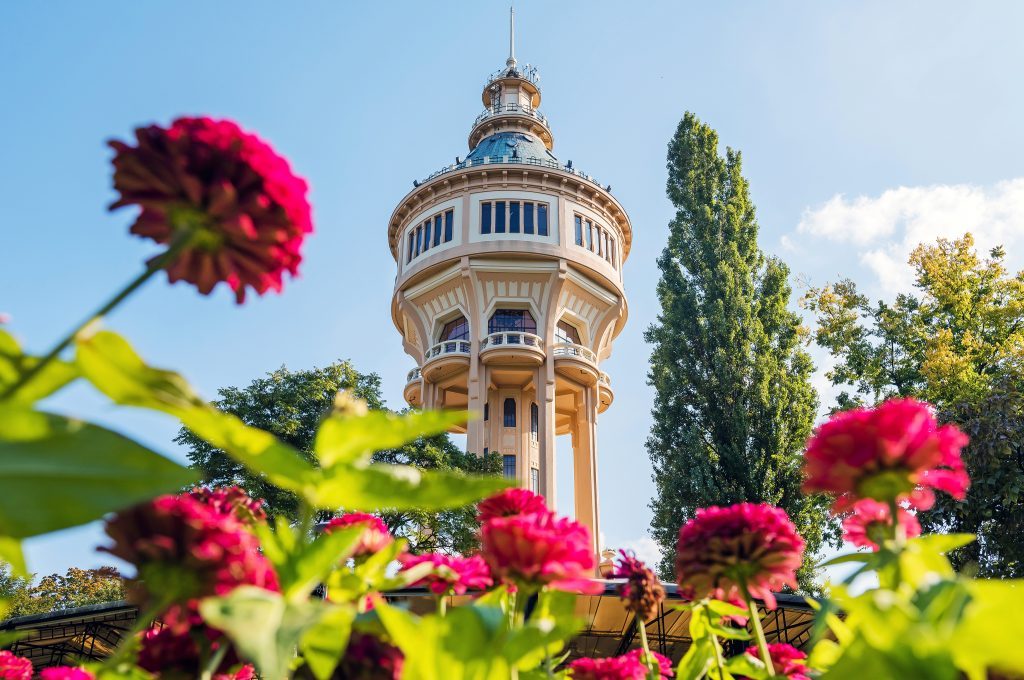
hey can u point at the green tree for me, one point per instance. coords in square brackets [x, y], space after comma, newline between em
[957, 342]
[59, 592]
[733, 400]
[290, 405]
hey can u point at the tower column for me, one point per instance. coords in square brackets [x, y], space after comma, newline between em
[584, 453]
[546, 445]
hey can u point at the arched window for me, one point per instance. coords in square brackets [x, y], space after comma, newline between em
[510, 412]
[566, 332]
[534, 422]
[504, 320]
[456, 329]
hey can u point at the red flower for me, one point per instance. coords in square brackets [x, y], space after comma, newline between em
[511, 502]
[538, 550]
[451, 573]
[179, 647]
[642, 591]
[663, 663]
[14, 667]
[885, 453]
[246, 211]
[375, 537]
[181, 543]
[870, 520]
[233, 501]
[611, 668]
[787, 660]
[370, 658]
[752, 544]
[66, 673]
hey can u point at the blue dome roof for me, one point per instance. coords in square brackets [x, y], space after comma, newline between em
[511, 144]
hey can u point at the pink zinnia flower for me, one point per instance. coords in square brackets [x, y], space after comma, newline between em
[246, 211]
[662, 663]
[174, 649]
[869, 523]
[13, 667]
[642, 590]
[787, 660]
[233, 501]
[610, 668]
[66, 673]
[451, 574]
[752, 544]
[370, 658]
[885, 453]
[212, 553]
[511, 502]
[538, 550]
[375, 536]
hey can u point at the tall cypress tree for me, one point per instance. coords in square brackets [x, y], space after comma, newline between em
[734, 404]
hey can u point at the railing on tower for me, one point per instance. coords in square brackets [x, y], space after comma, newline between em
[512, 107]
[572, 350]
[528, 73]
[447, 347]
[529, 160]
[514, 338]
[413, 375]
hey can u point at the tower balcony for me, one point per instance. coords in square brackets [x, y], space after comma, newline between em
[445, 359]
[512, 347]
[605, 394]
[413, 391]
[511, 116]
[576, 362]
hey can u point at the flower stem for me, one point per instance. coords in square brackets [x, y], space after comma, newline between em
[154, 265]
[719, 662]
[215, 661]
[442, 604]
[762, 643]
[648, 657]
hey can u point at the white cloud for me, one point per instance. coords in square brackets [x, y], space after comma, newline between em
[881, 231]
[646, 549]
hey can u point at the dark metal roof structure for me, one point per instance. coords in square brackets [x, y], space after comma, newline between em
[93, 632]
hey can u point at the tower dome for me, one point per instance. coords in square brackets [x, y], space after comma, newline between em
[509, 290]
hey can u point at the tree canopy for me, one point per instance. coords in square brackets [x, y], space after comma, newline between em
[957, 342]
[290, 405]
[734, 403]
[58, 592]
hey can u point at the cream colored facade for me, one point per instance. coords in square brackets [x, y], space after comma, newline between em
[536, 381]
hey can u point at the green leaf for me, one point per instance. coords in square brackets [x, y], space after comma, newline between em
[264, 628]
[748, 666]
[350, 438]
[85, 470]
[865, 557]
[13, 364]
[697, 660]
[941, 543]
[989, 634]
[323, 645]
[402, 487]
[10, 552]
[303, 569]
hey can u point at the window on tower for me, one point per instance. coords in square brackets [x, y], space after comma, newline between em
[510, 412]
[514, 217]
[595, 238]
[534, 423]
[567, 333]
[499, 217]
[535, 480]
[512, 320]
[509, 461]
[431, 233]
[456, 329]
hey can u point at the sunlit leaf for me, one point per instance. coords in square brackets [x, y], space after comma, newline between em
[13, 364]
[323, 644]
[989, 634]
[56, 472]
[349, 438]
[11, 553]
[401, 487]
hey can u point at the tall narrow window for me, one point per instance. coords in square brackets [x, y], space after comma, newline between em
[449, 219]
[614, 259]
[412, 242]
[509, 461]
[579, 230]
[499, 217]
[542, 219]
[419, 239]
[510, 412]
[590, 236]
[426, 235]
[485, 218]
[527, 217]
[437, 230]
[513, 217]
[534, 422]
[600, 242]
[487, 412]
[535, 480]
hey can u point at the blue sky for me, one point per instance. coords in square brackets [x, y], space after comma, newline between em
[865, 127]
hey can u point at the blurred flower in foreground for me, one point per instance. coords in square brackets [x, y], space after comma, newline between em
[451, 573]
[626, 667]
[375, 536]
[370, 658]
[511, 502]
[664, 664]
[642, 591]
[894, 451]
[66, 673]
[229, 204]
[869, 524]
[13, 667]
[721, 551]
[232, 501]
[787, 660]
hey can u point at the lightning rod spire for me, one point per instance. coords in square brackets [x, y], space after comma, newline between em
[511, 62]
